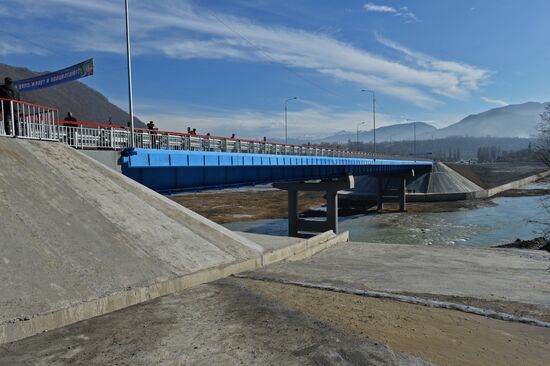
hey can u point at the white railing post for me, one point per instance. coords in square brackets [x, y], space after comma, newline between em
[12, 123]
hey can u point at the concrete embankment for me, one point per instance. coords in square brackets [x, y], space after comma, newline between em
[78, 240]
[337, 308]
[443, 184]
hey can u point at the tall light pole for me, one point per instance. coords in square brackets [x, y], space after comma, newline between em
[373, 117]
[414, 141]
[357, 140]
[414, 124]
[286, 124]
[129, 61]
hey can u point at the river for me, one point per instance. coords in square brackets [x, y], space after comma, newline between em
[501, 220]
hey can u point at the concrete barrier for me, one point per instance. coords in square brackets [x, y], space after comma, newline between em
[516, 184]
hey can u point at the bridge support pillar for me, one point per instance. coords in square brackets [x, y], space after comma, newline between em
[403, 194]
[380, 195]
[304, 227]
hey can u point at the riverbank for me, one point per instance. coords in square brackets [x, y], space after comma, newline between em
[260, 203]
[335, 308]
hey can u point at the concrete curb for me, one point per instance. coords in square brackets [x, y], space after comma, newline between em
[22, 328]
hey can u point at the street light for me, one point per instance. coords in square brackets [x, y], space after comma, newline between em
[357, 140]
[129, 62]
[373, 117]
[286, 108]
[414, 141]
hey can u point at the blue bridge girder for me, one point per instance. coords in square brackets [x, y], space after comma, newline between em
[181, 170]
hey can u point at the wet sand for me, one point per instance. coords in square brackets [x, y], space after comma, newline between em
[445, 337]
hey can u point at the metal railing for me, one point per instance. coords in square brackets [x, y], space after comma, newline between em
[27, 120]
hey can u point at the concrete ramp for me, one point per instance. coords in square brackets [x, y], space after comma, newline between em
[78, 240]
[445, 180]
[443, 183]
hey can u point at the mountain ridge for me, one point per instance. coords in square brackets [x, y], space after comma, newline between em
[514, 120]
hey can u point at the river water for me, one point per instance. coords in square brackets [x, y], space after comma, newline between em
[501, 220]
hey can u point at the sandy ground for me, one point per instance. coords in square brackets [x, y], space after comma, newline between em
[229, 205]
[248, 322]
[444, 337]
[223, 323]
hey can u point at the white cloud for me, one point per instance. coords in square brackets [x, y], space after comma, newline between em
[380, 8]
[466, 77]
[499, 102]
[178, 29]
[307, 119]
[402, 12]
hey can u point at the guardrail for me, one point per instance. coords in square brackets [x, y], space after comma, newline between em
[28, 120]
[33, 121]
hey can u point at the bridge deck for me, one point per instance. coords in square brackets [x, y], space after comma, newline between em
[175, 170]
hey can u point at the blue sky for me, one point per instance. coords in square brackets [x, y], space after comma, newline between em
[227, 66]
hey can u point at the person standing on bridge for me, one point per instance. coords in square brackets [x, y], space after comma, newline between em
[70, 128]
[9, 91]
[152, 130]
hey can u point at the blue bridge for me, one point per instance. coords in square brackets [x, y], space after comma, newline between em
[180, 170]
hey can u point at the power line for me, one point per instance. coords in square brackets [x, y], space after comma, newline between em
[273, 60]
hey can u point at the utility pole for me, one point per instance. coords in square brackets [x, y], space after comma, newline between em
[129, 62]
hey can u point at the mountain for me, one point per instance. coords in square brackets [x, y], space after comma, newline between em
[515, 120]
[84, 102]
[398, 132]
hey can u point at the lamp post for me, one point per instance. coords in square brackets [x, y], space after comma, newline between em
[129, 62]
[414, 124]
[357, 139]
[373, 117]
[414, 140]
[286, 124]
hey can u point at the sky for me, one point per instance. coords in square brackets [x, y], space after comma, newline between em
[228, 66]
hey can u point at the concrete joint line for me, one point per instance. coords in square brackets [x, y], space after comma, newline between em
[407, 299]
[21, 328]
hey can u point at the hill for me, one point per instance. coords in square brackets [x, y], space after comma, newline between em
[515, 120]
[398, 132]
[84, 102]
[511, 121]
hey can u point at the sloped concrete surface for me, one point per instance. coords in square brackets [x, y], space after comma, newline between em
[492, 275]
[72, 230]
[441, 180]
[445, 180]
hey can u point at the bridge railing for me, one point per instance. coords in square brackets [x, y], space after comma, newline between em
[33, 121]
[28, 120]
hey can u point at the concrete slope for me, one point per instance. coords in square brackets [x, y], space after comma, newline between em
[442, 180]
[72, 231]
[445, 180]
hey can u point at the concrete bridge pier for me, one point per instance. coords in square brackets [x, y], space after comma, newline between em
[302, 227]
[380, 193]
[395, 193]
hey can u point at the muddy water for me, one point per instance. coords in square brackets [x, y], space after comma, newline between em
[502, 221]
